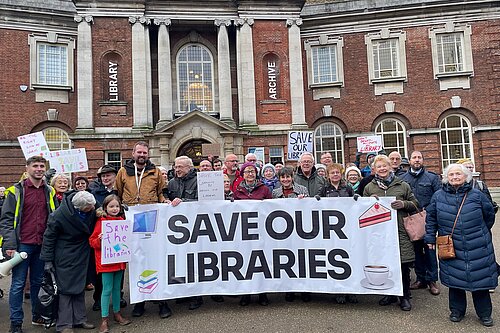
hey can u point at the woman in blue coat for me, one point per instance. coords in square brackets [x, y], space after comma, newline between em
[474, 269]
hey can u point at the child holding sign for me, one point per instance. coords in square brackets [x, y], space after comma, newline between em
[111, 273]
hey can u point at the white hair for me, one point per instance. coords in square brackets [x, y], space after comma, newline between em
[308, 154]
[184, 158]
[247, 156]
[462, 167]
[83, 199]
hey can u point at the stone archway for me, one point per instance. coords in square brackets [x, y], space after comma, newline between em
[193, 150]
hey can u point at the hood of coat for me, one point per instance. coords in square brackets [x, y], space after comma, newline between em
[130, 167]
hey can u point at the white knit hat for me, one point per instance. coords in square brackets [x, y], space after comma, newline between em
[350, 169]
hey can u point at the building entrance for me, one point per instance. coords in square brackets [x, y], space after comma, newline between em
[193, 150]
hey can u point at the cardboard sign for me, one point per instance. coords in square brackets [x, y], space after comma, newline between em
[298, 143]
[33, 144]
[66, 161]
[367, 144]
[115, 246]
[210, 185]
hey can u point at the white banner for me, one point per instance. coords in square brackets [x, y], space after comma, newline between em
[334, 245]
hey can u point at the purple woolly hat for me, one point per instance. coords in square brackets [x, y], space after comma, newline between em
[247, 164]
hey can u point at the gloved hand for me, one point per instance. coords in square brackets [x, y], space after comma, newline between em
[317, 197]
[355, 197]
[375, 196]
[397, 204]
[49, 266]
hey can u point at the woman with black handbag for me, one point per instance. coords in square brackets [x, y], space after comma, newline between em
[467, 215]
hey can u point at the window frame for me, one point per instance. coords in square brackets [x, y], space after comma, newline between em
[281, 156]
[392, 84]
[34, 40]
[212, 85]
[457, 79]
[63, 145]
[403, 150]
[109, 161]
[447, 161]
[334, 152]
[326, 89]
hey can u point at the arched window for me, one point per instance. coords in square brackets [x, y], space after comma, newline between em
[195, 79]
[329, 137]
[57, 139]
[393, 134]
[456, 139]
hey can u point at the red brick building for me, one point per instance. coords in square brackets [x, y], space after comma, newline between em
[102, 75]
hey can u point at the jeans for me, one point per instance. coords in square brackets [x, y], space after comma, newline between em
[19, 274]
[426, 267]
[481, 299]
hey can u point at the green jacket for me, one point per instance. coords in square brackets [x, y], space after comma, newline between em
[402, 191]
[12, 209]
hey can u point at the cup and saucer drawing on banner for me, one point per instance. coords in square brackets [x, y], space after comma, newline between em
[377, 277]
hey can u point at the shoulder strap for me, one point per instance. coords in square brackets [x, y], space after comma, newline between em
[480, 185]
[459, 209]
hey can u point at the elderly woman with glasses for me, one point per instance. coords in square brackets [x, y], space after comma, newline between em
[251, 189]
[474, 268]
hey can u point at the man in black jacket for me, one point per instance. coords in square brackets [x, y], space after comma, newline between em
[424, 184]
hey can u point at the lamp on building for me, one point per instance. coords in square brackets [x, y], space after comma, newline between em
[52, 114]
[327, 110]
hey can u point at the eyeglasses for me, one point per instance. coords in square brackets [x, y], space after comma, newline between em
[232, 161]
[251, 160]
[227, 181]
[306, 162]
[249, 172]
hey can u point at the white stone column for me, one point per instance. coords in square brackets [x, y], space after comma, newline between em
[246, 73]
[140, 62]
[84, 73]
[224, 72]
[296, 73]
[164, 72]
[149, 79]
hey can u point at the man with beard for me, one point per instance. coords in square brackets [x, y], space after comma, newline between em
[424, 184]
[140, 182]
[184, 187]
[23, 222]
[232, 171]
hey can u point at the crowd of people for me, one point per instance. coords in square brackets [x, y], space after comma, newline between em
[59, 225]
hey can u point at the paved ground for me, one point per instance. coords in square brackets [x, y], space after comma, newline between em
[429, 314]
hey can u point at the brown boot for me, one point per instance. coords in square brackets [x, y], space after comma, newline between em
[104, 325]
[120, 320]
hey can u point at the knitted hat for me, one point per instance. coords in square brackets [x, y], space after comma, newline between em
[404, 161]
[351, 168]
[247, 164]
[267, 166]
[370, 154]
[320, 166]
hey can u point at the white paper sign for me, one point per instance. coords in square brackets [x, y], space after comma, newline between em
[367, 144]
[210, 185]
[334, 245]
[33, 144]
[115, 247]
[66, 161]
[298, 143]
[258, 151]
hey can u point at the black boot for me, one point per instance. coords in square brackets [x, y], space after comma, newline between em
[245, 300]
[165, 311]
[195, 302]
[387, 300]
[404, 304]
[263, 300]
[138, 309]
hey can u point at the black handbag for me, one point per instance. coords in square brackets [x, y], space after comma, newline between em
[48, 299]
